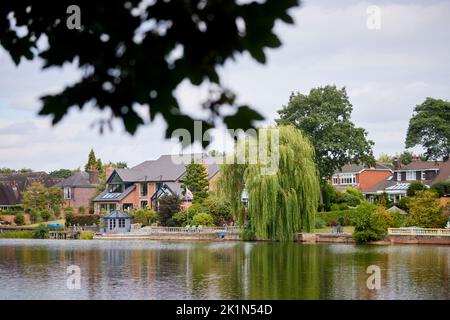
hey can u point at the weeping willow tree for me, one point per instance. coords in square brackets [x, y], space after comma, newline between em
[279, 204]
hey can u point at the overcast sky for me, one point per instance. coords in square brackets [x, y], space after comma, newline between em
[386, 73]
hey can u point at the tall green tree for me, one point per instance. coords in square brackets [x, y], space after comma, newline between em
[324, 116]
[38, 198]
[92, 161]
[406, 157]
[430, 128]
[159, 45]
[282, 203]
[196, 180]
[167, 207]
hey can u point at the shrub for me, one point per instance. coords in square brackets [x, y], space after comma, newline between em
[181, 218]
[202, 219]
[350, 200]
[25, 234]
[329, 217]
[344, 206]
[354, 192]
[327, 196]
[144, 216]
[86, 235]
[82, 210]
[45, 215]
[414, 187]
[319, 223]
[425, 211]
[41, 232]
[84, 220]
[248, 233]
[369, 225]
[404, 203]
[335, 207]
[19, 219]
[442, 188]
[168, 206]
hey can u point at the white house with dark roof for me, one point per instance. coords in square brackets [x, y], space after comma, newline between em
[142, 185]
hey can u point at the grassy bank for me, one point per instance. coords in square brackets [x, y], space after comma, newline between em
[19, 234]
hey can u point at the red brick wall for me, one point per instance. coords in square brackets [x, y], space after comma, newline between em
[369, 178]
[80, 197]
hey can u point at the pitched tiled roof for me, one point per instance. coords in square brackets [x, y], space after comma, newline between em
[353, 168]
[418, 165]
[80, 180]
[13, 185]
[165, 168]
[116, 214]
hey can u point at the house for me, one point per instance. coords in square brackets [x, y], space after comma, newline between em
[12, 186]
[396, 185]
[359, 176]
[117, 222]
[144, 184]
[79, 189]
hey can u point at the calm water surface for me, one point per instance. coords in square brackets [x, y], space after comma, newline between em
[36, 269]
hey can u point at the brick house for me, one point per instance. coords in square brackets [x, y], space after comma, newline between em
[144, 184]
[12, 186]
[396, 185]
[78, 190]
[359, 176]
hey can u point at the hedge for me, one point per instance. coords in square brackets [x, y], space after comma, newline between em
[82, 220]
[19, 234]
[345, 216]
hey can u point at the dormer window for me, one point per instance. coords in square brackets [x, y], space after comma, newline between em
[115, 188]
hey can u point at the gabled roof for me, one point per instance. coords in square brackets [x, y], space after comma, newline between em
[356, 168]
[165, 168]
[13, 185]
[116, 214]
[421, 165]
[80, 180]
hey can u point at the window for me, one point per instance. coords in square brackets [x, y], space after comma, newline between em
[121, 223]
[112, 224]
[410, 175]
[108, 207]
[159, 185]
[115, 188]
[423, 176]
[335, 180]
[348, 179]
[127, 206]
[67, 193]
[144, 189]
[144, 204]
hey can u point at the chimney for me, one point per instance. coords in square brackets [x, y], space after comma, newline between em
[396, 163]
[108, 171]
[93, 176]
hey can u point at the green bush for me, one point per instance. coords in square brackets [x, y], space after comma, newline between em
[343, 206]
[202, 219]
[354, 192]
[425, 211]
[414, 187]
[45, 215]
[82, 210]
[319, 223]
[442, 188]
[22, 234]
[350, 200]
[369, 224]
[144, 216]
[41, 232]
[19, 219]
[82, 220]
[11, 211]
[335, 207]
[328, 217]
[404, 203]
[86, 235]
[248, 233]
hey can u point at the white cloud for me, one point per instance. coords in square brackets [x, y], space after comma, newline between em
[386, 72]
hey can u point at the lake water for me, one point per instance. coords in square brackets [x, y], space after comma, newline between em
[37, 269]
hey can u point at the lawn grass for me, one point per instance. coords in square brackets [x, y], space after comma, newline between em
[347, 229]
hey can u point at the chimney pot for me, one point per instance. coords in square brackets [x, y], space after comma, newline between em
[93, 177]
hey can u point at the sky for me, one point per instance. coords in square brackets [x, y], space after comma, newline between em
[386, 72]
